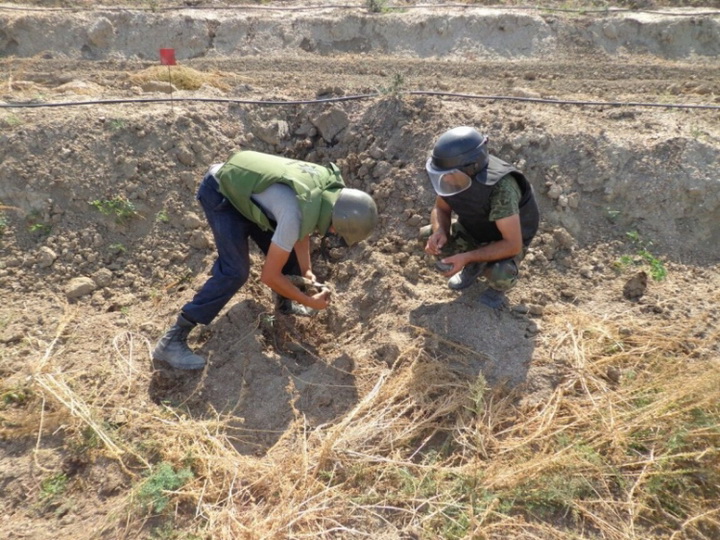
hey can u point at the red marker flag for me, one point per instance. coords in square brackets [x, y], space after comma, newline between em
[167, 57]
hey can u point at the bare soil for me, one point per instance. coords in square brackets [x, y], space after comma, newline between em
[629, 195]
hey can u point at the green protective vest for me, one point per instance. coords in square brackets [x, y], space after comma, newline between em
[316, 187]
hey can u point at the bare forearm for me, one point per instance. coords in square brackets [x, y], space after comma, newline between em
[440, 220]
[284, 287]
[273, 277]
[494, 251]
[302, 252]
[508, 246]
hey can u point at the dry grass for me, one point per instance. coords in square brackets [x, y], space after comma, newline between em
[182, 77]
[427, 452]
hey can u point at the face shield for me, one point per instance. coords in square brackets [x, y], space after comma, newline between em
[447, 182]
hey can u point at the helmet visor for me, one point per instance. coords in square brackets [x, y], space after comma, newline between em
[447, 182]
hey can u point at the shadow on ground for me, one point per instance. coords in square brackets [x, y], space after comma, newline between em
[477, 339]
[259, 378]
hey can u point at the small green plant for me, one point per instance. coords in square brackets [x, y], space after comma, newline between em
[118, 206]
[162, 216]
[612, 215]
[478, 389]
[551, 493]
[40, 229]
[117, 249]
[633, 235]
[396, 85]
[87, 439]
[53, 486]
[624, 261]
[657, 269]
[696, 132]
[15, 396]
[5, 321]
[37, 225]
[90, 438]
[155, 294]
[117, 124]
[658, 272]
[410, 484]
[153, 493]
[182, 279]
[268, 321]
[11, 120]
[376, 6]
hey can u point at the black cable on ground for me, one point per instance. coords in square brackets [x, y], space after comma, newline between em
[185, 99]
[568, 102]
[580, 103]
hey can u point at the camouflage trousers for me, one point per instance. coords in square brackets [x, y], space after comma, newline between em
[501, 275]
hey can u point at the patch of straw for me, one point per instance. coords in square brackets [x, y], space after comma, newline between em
[430, 452]
[182, 77]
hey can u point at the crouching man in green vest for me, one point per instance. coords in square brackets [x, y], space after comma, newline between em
[279, 203]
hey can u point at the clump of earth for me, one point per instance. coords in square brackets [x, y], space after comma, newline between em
[102, 239]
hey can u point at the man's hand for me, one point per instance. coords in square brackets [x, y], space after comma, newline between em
[321, 300]
[283, 285]
[310, 276]
[436, 242]
[440, 223]
[458, 262]
[304, 283]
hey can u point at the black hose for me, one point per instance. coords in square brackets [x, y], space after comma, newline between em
[35, 105]
[569, 102]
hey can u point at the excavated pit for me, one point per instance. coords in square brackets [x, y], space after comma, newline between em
[604, 174]
[567, 98]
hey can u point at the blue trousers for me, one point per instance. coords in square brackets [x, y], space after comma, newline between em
[232, 232]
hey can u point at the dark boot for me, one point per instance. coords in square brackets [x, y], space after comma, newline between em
[493, 298]
[173, 348]
[467, 276]
[288, 307]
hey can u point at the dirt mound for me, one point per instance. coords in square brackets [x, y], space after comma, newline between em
[102, 240]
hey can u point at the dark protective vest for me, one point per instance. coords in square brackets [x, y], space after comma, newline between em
[472, 206]
[316, 187]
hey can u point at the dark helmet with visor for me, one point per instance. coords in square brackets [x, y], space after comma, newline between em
[458, 154]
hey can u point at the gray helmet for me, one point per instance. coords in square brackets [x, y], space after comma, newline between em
[460, 147]
[354, 215]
